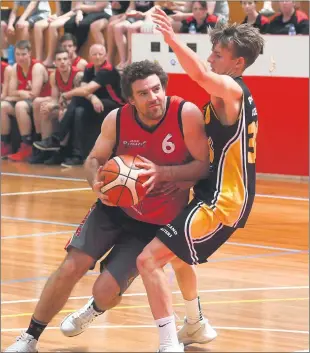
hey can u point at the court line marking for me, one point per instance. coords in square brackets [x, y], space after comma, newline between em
[174, 292]
[128, 307]
[48, 191]
[236, 328]
[282, 197]
[39, 221]
[76, 225]
[35, 235]
[236, 258]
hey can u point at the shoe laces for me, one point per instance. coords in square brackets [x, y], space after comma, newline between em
[85, 315]
[25, 337]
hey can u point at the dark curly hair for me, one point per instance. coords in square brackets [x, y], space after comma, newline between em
[139, 71]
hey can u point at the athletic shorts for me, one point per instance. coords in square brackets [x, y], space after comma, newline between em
[195, 234]
[28, 101]
[105, 228]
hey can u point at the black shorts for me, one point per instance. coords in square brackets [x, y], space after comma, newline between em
[105, 228]
[195, 234]
[28, 101]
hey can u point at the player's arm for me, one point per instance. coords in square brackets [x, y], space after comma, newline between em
[14, 94]
[6, 80]
[38, 75]
[100, 153]
[82, 64]
[196, 142]
[84, 91]
[54, 88]
[77, 81]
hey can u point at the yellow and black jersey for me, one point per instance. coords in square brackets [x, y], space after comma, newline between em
[229, 189]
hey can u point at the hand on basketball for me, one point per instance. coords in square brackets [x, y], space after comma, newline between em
[151, 170]
[97, 185]
[163, 23]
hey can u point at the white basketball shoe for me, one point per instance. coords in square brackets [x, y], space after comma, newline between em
[76, 323]
[200, 332]
[24, 343]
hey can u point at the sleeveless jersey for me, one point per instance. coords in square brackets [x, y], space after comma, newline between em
[65, 86]
[76, 61]
[230, 187]
[24, 82]
[163, 146]
[3, 66]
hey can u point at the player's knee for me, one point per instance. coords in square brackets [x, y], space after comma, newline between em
[106, 291]
[5, 107]
[145, 262]
[21, 107]
[4, 26]
[74, 267]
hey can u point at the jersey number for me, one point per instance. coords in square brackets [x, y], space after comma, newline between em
[252, 130]
[168, 146]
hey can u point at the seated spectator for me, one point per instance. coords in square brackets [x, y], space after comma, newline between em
[288, 17]
[132, 24]
[34, 11]
[45, 112]
[99, 94]
[68, 42]
[119, 10]
[86, 13]
[63, 12]
[254, 18]
[200, 20]
[28, 80]
[6, 71]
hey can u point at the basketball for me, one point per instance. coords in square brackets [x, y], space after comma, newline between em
[122, 183]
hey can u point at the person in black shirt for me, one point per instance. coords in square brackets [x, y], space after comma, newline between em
[287, 18]
[201, 20]
[100, 93]
[254, 18]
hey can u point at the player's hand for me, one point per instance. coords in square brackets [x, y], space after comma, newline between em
[97, 185]
[63, 103]
[11, 30]
[78, 18]
[97, 104]
[163, 23]
[151, 170]
[25, 94]
[51, 18]
[21, 24]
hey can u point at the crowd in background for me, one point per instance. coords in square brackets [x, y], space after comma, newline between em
[56, 101]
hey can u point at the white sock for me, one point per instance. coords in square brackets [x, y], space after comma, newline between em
[167, 331]
[193, 311]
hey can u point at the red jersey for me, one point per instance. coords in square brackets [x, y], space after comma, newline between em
[76, 61]
[163, 146]
[3, 66]
[24, 82]
[65, 86]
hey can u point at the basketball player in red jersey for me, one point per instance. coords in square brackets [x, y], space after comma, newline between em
[222, 202]
[167, 130]
[46, 110]
[28, 80]
[6, 70]
[68, 42]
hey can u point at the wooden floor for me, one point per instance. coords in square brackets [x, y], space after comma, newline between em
[254, 290]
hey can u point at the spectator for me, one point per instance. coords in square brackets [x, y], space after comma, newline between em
[87, 12]
[254, 18]
[99, 94]
[288, 17]
[34, 11]
[201, 20]
[119, 10]
[27, 81]
[219, 9]
[68, 42]
[6, 71]
[63, 79]
[63, 13]
[132, 24]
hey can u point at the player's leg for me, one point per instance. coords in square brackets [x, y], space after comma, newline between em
[118, 270]
[7, 109]
[95, 236]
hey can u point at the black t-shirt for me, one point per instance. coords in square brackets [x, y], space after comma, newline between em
[261, 23]
[144, 6]
[65, 6]
[109, 80]
[119, 7]
[299, 19]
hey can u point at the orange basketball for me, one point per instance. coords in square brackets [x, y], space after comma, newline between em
[121, 181]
